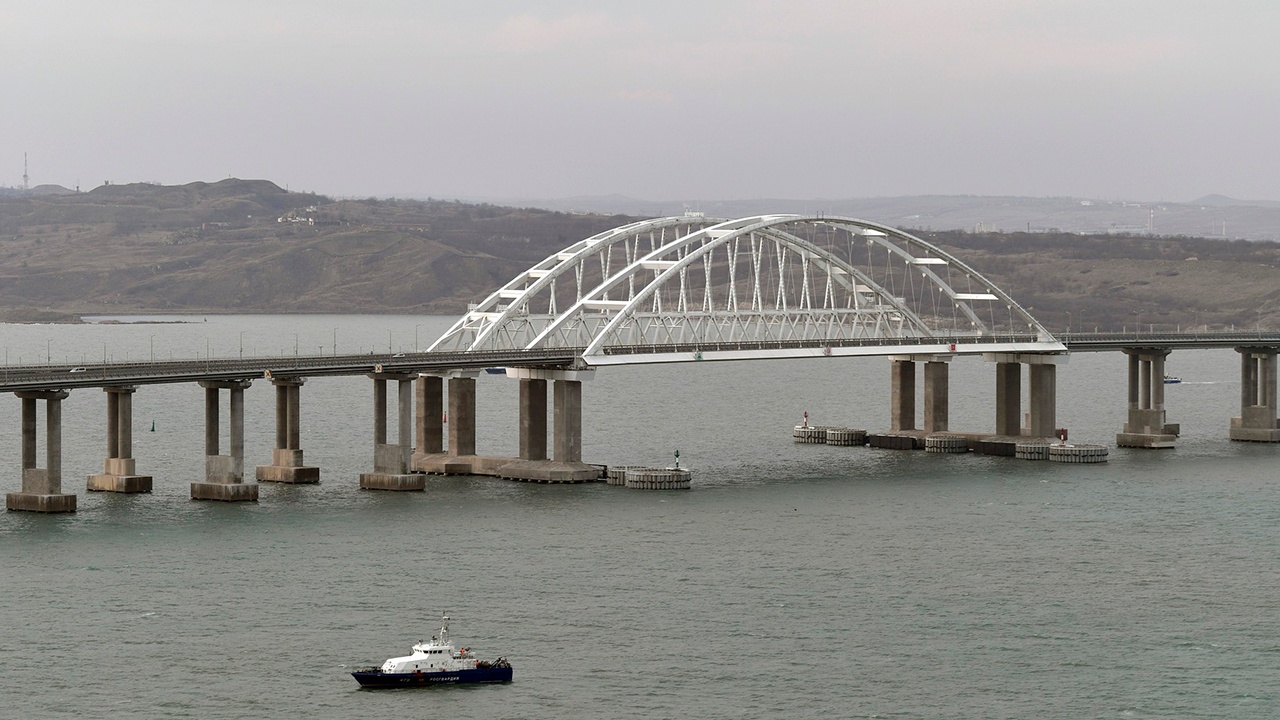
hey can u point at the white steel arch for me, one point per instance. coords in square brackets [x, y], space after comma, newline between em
[761, 286]
[514, 314]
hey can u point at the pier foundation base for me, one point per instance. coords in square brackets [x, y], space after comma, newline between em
[107, 482]
[227, 492]
[36, 502]
[550, 471]
[119, 475]
[286, 467]
[388, 481]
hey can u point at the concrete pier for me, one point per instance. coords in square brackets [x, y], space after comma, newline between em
[902, 398]
[286, 458]
[431, 455]
[119, 471]
[391, 462]
[566, 463]
[1042, 393]
[1146, 425]
[42, 487]
[902, 403]
[1257, 420]
[224, 474]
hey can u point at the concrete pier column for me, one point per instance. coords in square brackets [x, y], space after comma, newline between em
[210, 419]
[119, 470]
[28, 431]
[1008, 398]
[391, 462]
[1258, 396]
[224, 474]
[282, 415]
[429, 416]
[379, 411]
[42, 487]
[462, 416]
[404, 405]
[287, 465]
[1145, 425]
[1248, 378]
[936, 382]
[113, 425]
[1157, 381]
[568, 421]
[533, 419]
[1043, 399]
[902, 398]
[1134, 375]
[1144, 382]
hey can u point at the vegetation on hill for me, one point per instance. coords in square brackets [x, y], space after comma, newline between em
[250, 246]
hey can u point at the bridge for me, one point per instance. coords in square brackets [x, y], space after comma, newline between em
[666, 290]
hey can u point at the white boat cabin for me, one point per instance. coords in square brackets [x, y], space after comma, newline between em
[438, 655]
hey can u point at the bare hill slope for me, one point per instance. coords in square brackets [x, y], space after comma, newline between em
[250, 246]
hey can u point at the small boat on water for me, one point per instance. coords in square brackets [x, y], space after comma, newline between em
[434, 663]
[1172, 380]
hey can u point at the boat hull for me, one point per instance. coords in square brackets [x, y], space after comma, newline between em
[379, 679]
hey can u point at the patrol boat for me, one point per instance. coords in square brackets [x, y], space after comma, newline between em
[434, 663]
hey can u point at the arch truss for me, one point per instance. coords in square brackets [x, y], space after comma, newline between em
[693, 288]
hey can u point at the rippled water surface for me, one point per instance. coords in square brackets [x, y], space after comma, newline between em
[793, 580]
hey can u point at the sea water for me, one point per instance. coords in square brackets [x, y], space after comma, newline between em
[793, 580]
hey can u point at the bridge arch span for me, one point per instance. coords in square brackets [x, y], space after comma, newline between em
[693, 288]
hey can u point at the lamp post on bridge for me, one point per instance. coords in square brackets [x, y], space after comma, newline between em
[241, 344]
[153, 348]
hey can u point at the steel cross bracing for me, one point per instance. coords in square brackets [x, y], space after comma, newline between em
[692, 288]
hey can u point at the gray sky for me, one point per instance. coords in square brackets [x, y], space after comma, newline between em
[1112, 99]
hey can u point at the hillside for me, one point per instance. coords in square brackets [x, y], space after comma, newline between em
[250, 246]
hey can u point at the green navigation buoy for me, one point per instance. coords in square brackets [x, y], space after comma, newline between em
[153, 426]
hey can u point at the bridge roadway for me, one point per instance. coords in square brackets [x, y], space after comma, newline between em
[1100, 341]
[67, 377]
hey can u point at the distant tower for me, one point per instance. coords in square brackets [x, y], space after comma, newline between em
[25, 177]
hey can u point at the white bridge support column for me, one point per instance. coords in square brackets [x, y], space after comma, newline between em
[42, 487]
[224, 474]
[1145, 426]
[1042, 393]
[1257, 420]
[391, 460]
[119, 470]
[286, 457]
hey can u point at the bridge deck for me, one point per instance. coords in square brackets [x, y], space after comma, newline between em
[1096, 342]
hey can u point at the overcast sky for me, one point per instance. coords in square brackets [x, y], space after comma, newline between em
[661, 100]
